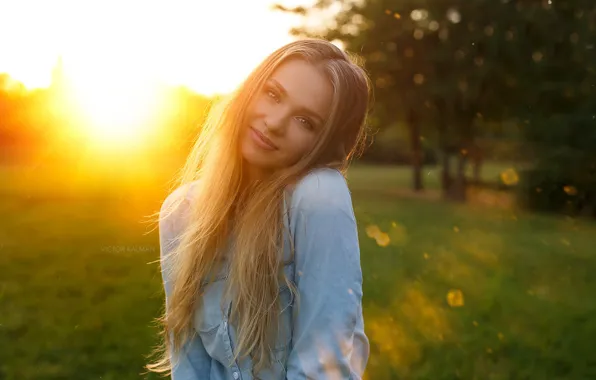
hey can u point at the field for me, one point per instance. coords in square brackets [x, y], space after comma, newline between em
[451, 290]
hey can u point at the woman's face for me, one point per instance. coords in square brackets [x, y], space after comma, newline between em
[286, 117]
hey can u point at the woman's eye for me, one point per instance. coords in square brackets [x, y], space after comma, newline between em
[272, 95]
[306, 122]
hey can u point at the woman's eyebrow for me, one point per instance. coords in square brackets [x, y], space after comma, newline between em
[284, 93]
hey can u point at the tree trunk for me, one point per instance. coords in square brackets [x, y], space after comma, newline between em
[444, 147]
[457, 191]
[477, 161]
[466, 144]
[477, 170]
[446, 171]
[416, 146]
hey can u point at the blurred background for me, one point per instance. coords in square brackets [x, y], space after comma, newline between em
[475, 200]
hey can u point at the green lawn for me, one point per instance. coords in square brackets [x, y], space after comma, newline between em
[79, 286]
[391, 177]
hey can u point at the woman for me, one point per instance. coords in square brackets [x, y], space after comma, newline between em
[259, 245]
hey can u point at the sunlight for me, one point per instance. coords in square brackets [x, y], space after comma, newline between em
[207, 46]
[116, 54]
[115, 111]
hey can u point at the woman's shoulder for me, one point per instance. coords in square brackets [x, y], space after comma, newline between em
[321, 188]
[176, 205]
[182, 193]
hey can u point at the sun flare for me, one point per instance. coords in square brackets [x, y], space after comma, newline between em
[117, 55]
[113, 110]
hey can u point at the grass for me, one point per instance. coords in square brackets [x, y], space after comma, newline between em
[386, 178]
[79, 287]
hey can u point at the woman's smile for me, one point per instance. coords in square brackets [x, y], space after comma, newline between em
[262, 140]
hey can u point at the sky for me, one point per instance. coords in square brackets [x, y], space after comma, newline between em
[208, 46]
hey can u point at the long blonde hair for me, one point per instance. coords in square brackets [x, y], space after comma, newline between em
[225, 204]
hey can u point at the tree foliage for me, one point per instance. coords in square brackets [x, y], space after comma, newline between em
[455, 69]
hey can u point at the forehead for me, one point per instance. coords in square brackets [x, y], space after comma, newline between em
[306, 86]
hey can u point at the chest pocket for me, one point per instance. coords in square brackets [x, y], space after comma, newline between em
[209, 320]
[210, 313]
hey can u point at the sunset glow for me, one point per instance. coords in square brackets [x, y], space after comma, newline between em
[207, 46]
[115, 112]
[115, 54]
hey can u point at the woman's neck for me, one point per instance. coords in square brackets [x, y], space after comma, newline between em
[254, 174]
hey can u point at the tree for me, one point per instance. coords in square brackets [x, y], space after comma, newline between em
[430, 63]
[447, 64]
[557, 68]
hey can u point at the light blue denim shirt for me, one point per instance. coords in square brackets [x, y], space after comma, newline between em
[324, 337]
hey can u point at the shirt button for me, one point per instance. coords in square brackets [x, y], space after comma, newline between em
[235, 374]
[225, 325]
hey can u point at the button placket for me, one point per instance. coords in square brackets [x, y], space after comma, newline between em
[228, 340]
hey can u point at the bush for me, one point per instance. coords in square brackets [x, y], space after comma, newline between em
[391, 145]
[384, 155]
[551, 191]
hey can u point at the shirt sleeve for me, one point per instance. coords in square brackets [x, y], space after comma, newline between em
[328, 339]
[193, 361]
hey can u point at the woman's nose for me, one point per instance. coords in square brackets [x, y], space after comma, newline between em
[276, 121]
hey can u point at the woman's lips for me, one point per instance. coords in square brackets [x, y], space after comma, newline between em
[261, 140]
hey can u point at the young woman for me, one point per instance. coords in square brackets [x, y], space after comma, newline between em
[259, 247]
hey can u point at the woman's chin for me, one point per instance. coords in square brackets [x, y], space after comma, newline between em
[255, 156]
